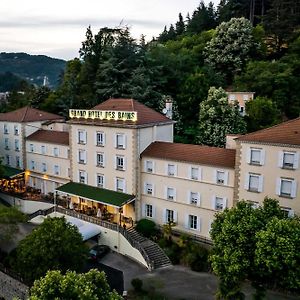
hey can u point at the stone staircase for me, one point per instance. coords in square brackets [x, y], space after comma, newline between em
[155, 254]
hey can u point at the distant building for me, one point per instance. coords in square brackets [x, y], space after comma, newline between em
[241, 98]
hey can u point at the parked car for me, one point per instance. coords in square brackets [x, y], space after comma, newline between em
[98, 251]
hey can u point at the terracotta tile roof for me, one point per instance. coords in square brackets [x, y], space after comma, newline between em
[191, 153]
[145, 115]
[50, 136]
[284, 133]
[28, 114]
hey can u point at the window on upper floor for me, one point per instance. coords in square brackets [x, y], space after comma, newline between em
[44, 167]
[82, 177]
[82, 156]
[171, 193]
[100, 159]
[120, 162]
[100, 138]
[288, 160]
[149, 188]
[56, 169]
[194, 198]
[100, 180]
[219, 203]
[254, 182]
[43, 149]
[149, 211]
[221, 177]
[31, 147]
[120, 141]
[17, 145]
[18, 163]
[5, 129]
[7, 160]
[195, 173]
[171, 170]
[81, 137]
[286, 187]
[16, 130]
[149, 166]
[193, 222]
[32, 165]
[170, 216]
[6, 143]
[55, 151]
[120, 184]
[256, 156]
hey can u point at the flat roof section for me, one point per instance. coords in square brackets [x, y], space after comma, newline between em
[93, 193]
[10, 172]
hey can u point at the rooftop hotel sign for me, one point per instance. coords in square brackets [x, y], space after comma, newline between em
[103, 114]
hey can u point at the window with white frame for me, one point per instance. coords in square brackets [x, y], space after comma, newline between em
[193, 222]
[220, 177]
[82, 156]
[254, 182]
[256, 156]
[100, 138]
[32, 165]
[170, 193]
[149, 210]
[100, 180]
[288, 160]
[100, 159]
[55, 151]
[194, 198]
[17, 145]
[6, 143]
[120, 162]
[286, 187]
[44, 167]
[149, 166]
[120, 184]
[82, 176]
[5, 129]
[16, 130]
[195, 173]
[245, 97]
[170, 216]
[120, 141]
[171, 170]
[81, 137]
[18, 163]
[43, 149]
[31, 147]
[254, 204]
[288, 212]
[219, 203]
[7, 159]
[56, 169]
[149, 188]
[231, 97]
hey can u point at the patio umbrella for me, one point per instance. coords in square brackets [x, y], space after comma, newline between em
[99, 213]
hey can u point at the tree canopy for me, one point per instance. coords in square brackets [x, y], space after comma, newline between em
[89, 286]
[54, 245]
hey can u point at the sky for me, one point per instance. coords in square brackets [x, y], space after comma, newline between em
[57, 27]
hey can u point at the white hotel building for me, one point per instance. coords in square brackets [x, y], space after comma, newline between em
[119, 158]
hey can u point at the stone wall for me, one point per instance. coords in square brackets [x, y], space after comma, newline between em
[11, 288]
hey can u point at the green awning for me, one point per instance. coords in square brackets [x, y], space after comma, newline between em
[10, 172]
[92, 193]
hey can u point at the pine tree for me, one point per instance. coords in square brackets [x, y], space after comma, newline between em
[180, 26]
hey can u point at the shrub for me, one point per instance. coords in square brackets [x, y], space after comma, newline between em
[146, 227]
[137, 284]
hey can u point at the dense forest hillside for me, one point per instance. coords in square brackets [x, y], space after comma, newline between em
[32, 68]
[240, 45]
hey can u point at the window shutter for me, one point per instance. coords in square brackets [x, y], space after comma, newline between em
[294, 189]
[84, 156]
[78, 156]
[190, 172]
[175, 216]
[213, 202]
[262, 157]
[143, 210]
[296, 160]
[153, 166]
[198, 223]
[280, 159]
[248, 155]
[164, 216]
[200, 174]
[278, 186]
[153, 211]
[247, 179]
[224, 202]
[260, 183]
[124, 162]
[226, 175]
[215, 176]
[145, 187]
[125, 141]
[174, 194]
[86, 177]
[104, 138]
[175, 170]
[199, 199]
[186, 221]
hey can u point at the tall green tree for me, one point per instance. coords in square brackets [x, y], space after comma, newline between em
[217, 119]
[180, 26]
[89, 286]
[54, 245]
